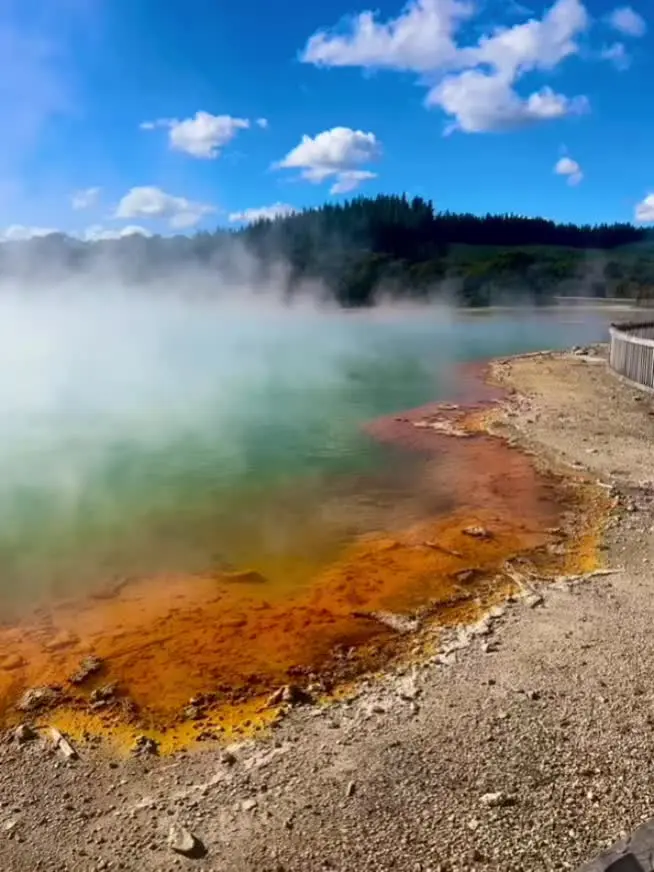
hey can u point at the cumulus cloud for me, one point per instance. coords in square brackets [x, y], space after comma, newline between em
[262, 123]
[96, 232]
[20, 233]
[420, 39]
[262, 213]
[627, 21]
[85, 199]
[334, 154]
[485, 103]
[645, 210]
[203, 135]
[460, 78]
[569, 168]
[151, 202]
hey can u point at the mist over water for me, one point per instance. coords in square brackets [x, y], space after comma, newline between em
[143, 434]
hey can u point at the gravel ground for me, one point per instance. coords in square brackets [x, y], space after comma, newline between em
[531, 750]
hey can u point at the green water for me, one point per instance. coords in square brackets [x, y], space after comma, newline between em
[142, 437]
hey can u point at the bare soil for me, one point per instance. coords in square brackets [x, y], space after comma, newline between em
[529, 749]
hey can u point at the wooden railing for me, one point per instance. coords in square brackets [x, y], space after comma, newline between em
[631, 351]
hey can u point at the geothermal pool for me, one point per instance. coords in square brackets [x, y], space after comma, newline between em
[215, 456]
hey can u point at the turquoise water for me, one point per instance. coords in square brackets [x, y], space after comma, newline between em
[141, 436]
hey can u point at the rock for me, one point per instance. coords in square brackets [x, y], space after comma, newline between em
[249, 804]
[290, 694]
[489, 647]
[396, 622]
[482, 628]
[532, 695]
[181, 841]
[228, 758]
[88, 666]
[193, 713]
[102, 695]
[533, 599]
[496, 800]
[350, 790]
[477, 532]
[144, 745]
[24, 733]
[62, 744]
[36, 698]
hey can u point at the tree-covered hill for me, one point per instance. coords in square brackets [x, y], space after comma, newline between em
[366, 248]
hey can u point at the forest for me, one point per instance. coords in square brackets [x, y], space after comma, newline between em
[368, 249]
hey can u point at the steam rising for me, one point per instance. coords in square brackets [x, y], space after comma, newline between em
[144, 431]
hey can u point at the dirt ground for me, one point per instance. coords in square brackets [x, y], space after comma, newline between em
[528, 749]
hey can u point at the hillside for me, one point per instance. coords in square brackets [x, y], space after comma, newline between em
[365, 249]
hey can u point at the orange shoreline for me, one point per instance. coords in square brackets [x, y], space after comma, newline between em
[230, 640]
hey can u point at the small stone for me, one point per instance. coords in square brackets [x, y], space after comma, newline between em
[496, 800]
[103, 694]
[228, 758]
[181, 841]
[249, 804]
[193, 713]
[145, 745]
[24, 733]
[477, 532]
[351, 789]
[62, 744]
[89, 666]
[532, 600]
[289, 694]
[36, 698]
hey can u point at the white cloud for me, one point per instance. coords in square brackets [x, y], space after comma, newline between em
[96, 232]
[617, 54]
[203, 135]
[334, 154]
[85, 199]
[482, 103]
[348, 180]
[150, 202]
[262, 123]
[462, 79]
[261, 213]
[20, 233]
[535, 44]
[569, 168]
[627, 21]
[420, 39]
[645, 210]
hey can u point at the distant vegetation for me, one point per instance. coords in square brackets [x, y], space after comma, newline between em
[362, 250]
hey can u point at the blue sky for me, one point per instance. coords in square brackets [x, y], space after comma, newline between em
[122, 115]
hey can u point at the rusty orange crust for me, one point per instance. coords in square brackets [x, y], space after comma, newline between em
[165, 639]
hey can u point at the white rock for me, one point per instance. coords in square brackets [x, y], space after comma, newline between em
[181, 840]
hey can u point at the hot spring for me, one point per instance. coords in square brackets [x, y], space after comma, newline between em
[204, 459]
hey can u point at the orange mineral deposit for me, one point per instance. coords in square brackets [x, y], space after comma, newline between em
[231, 638]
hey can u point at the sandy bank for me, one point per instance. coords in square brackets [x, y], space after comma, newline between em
[527, 749]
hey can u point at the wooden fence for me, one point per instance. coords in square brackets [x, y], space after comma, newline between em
[631, 351]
